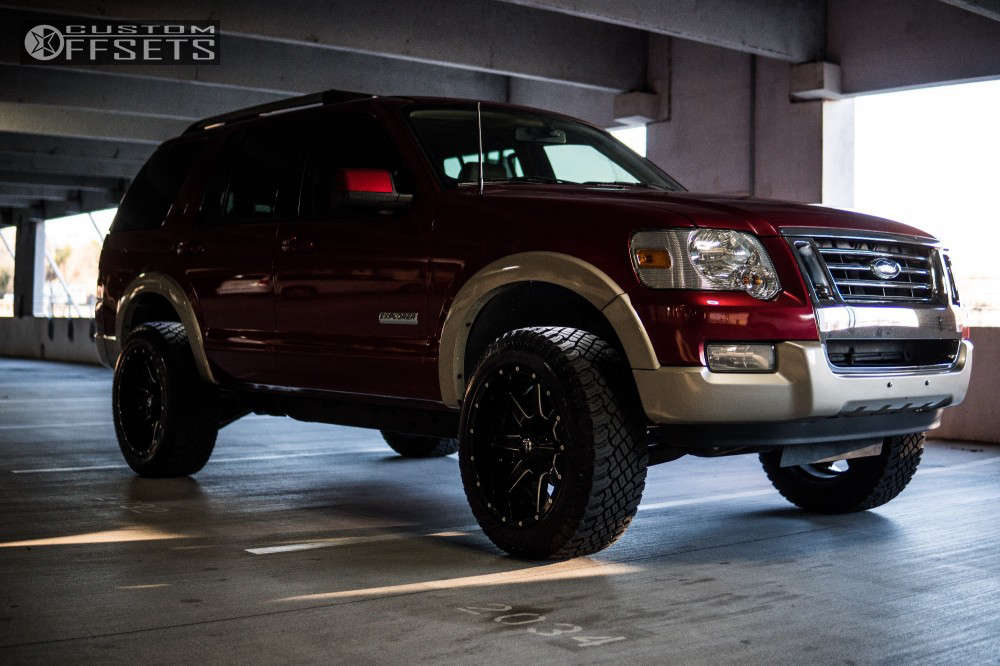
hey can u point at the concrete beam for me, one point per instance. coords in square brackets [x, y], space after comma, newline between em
[895, 45]
[18, 200]
[84, 123]
[98, 91]
[74, 147]
[988, 8]
[32, 191]
[785, 29]
[116, 186]
[281, 68]
[480, 35]
[91, 166]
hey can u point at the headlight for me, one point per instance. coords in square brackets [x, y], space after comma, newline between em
[715, 259]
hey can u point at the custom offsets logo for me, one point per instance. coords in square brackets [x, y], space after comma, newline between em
[87, 42]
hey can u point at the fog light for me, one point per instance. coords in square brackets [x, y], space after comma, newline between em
[740, 357]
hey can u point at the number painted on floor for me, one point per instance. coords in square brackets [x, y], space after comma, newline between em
[531, 618]
[550, 630]
[556, 631]
[487, 608]
[594, 641]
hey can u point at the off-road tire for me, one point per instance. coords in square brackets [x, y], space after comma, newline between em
[867, 483]
[605, 447]
[419, 446]
[183, 437]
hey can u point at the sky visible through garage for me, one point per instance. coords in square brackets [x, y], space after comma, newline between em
[928, 157]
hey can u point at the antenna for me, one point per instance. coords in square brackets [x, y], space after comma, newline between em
[479, 127]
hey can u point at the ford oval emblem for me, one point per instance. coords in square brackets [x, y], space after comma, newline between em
[886, 269]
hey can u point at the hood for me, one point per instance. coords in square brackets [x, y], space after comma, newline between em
[644, 207]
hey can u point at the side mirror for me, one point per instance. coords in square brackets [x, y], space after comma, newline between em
[370, 188]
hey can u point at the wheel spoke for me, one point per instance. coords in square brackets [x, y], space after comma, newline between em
[524, 415]
[516, 433]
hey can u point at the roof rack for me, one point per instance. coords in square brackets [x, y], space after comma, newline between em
[278, 106]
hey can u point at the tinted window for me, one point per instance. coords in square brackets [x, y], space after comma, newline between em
[259, 176]
[156, 186]
[345, 141]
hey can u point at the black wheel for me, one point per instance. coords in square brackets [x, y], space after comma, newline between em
[854, 484]
[166, 419]
[419, 446]
[552, 443]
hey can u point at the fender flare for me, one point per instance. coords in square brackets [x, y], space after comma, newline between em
[563, 270]
[168, 288]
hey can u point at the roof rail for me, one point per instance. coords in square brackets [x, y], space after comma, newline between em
[278, 106]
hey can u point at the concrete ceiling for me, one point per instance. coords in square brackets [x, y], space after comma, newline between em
[71, 137]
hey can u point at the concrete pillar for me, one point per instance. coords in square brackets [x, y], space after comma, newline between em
[29, 267]
[731, 127]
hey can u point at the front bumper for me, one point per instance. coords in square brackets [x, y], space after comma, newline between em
[804, 386]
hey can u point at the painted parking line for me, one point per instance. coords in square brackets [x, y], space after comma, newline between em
[354, 540]
[48, 399]
[952, 468]
[46, 426]
[215, 461]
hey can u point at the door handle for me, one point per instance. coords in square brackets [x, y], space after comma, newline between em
[182, 248]
[294, 244]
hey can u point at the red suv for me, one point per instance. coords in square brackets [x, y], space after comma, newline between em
[520, 287]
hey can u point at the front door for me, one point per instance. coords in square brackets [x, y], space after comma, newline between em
[351, 282]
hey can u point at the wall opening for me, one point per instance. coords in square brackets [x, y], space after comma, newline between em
[72, 249]
[929, 158]
[633, 137]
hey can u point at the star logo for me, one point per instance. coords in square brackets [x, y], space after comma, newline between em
[44, 42]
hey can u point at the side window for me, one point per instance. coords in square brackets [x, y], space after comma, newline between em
[581, 163]
[156, 186]
[259, 176]
[345, 141]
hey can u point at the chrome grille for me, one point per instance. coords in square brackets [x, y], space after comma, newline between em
[854, 265]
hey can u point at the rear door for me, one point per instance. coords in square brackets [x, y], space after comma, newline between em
[352, 281]
[229, 253]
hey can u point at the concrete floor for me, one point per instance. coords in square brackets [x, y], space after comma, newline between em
[305, 543]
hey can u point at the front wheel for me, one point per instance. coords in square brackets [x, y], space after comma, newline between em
[552, 448]
[854, 484]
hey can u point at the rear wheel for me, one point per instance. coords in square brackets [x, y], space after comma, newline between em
[853, 484]
[552, 448]
[419, 446]
[166, 419]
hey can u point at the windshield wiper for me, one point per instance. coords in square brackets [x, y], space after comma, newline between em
[534, 179]
[623, 184]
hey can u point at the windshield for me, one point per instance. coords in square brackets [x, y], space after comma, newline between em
[527, 147]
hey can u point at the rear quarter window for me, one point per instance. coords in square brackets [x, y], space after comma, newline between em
[155, 188]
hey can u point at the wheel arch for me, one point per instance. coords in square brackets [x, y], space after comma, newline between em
[158, 295]
[531, 289]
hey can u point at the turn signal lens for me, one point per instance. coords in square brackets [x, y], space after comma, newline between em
[740, 357]
[652, 258]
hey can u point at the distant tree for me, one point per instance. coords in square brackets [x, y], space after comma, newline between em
[60, 256]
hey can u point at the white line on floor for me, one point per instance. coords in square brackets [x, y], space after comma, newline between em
[951, 468]
[276, 456]
[352, 540]
[44, 426]
[48, 399]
